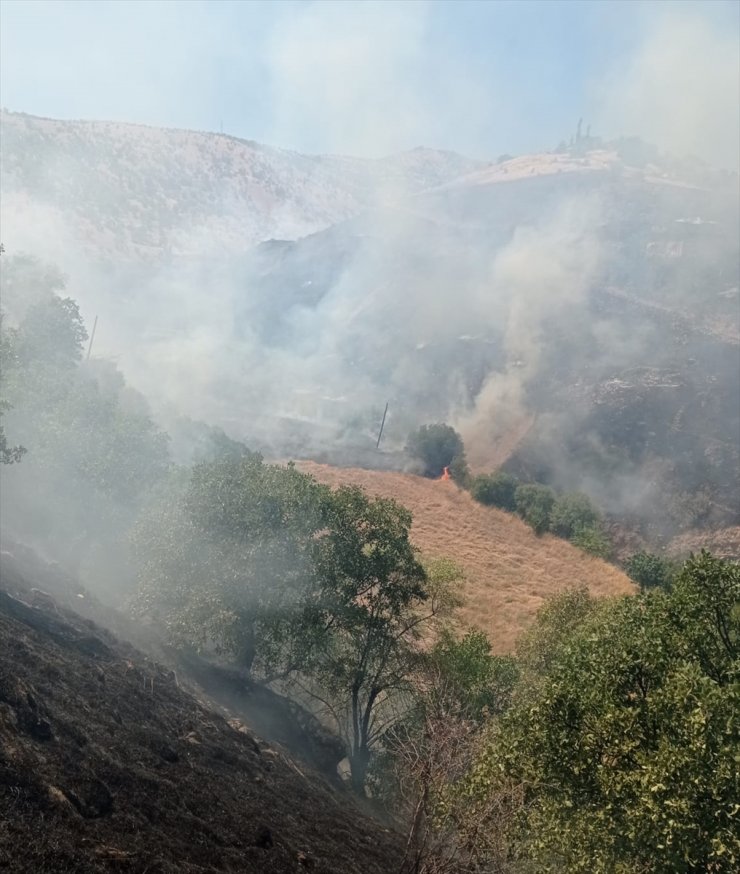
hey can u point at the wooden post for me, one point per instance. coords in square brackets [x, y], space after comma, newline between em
[382, 425]
[92, 337]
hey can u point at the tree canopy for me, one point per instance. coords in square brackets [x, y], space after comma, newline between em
[437, 447]
[627, 739]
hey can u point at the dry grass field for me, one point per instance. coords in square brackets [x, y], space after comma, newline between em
[509, 571]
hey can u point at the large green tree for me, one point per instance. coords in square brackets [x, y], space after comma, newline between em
[293, 580]
[437, 447]
[93, 448]
[377, 599]
[226, 559]
[626, 739]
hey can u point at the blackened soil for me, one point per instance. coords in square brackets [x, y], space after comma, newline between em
[107, 765]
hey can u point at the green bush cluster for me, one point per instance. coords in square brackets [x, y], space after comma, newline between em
[651, 571]
[571, 515]
[495, 490]
[623, 733]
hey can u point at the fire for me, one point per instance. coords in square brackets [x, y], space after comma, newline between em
[445, 474]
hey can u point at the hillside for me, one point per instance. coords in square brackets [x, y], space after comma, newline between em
[509, 571]
[573, 314]
[128, 191]
[106, 764]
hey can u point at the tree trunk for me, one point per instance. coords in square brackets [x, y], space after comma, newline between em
[247, 649]
[359, 761]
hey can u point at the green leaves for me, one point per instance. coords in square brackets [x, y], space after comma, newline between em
[534, 504]
[436, 447]
[571, 513]
[495, 489]
[650, 571]
[227, 558]
[626, 730]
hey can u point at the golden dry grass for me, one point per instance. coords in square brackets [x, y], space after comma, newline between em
[509, 571]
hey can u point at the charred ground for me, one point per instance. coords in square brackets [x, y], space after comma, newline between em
[107, 764]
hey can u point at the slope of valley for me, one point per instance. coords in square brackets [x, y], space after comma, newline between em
[106, 765]
[509, 571]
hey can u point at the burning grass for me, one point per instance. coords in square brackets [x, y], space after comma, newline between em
[509, 570]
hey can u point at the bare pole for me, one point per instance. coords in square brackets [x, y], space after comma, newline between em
[92, 337]
[382, 425]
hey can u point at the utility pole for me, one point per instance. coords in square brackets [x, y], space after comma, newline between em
[92, 337]
[382, 425]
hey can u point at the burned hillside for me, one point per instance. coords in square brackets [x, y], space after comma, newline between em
[106, 764]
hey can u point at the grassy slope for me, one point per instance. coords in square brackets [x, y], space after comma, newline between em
[509, 571]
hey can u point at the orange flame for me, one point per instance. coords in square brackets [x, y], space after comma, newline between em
[445, 474]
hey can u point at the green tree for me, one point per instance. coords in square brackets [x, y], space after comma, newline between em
[225, 559]
[480, 682]
[650, 571]
[593, 540]
[377, 599]
[572, 513]
[51, 333]
[437, 447]
[534, 503]
[95, 448]
[627, 743]
[495, 489]
[9, 454]
[459, 470]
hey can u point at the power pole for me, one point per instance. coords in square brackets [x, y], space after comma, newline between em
[382, 425]
[92, 337]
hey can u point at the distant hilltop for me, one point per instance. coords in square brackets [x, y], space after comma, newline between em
[132, 191]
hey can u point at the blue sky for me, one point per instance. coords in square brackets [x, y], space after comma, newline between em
[375, 77]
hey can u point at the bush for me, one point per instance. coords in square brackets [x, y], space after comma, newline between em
[437, 447]
[593, 540]
[534, 504]
[495, 490]
[650, 571]
[459, 470]
[481, 683]
[573, 513]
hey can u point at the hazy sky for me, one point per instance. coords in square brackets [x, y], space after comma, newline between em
[375, 77]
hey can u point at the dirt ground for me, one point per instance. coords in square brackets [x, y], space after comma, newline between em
[106, 764]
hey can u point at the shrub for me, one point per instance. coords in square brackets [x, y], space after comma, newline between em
[437, 447]
[593, 539]
[650, 571]
[534, 504]
[573, 513]
[459, 470]
[495, 490]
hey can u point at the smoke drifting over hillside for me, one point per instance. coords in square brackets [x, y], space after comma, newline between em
[456, 300]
